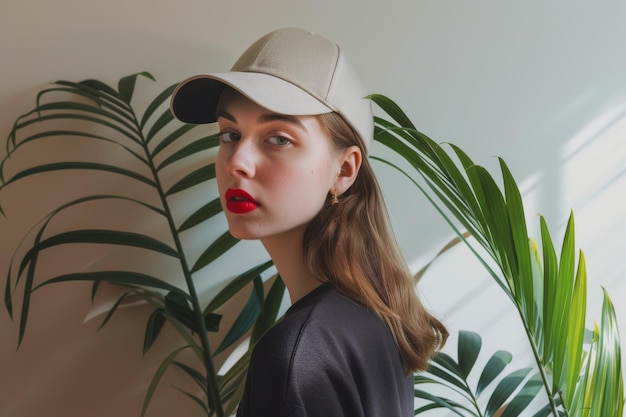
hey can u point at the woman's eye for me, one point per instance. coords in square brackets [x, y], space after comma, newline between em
[227, 137]
[279, 140]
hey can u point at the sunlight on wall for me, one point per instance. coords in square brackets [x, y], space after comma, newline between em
[594, 179]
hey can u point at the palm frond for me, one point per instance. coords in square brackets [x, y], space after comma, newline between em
[94, 112]
[451, 379]
[548, 291]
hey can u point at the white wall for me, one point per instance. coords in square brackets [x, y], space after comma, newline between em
[541, 84]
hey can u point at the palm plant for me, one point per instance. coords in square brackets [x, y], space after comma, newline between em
[104, 114]
[549, 292]
[573, 378]
[465, 398]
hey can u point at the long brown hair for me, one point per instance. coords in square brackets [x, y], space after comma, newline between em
[351, 246]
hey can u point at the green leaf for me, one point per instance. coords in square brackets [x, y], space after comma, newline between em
[236, 285]
[443, 368]
[494, 207]
[153, 329]
[178, 307]
[126, 85]
[576, 332]
[460, 234]
[246, 317]
[212, 321]
[104, 90]
[165, 118]
[463, 186]
[269, 312]
[445, 361]
[191, 149]
[205, 212]
[47, 219]
[196, 399]
[605, 391]
[64, 166]
[124, 278]
[94, 236]
[493, 368]
[65, 87]
[385, 130]
[68, 110]
[105, 98]
[392, 109]
[524, 397]
[550, 277]
[80, 134]
[198, 176]
[219, 247]
[468, 351]
[440, 403]
[563, 304]
[115, 306]
[537, 325]
[504, 390]
[233, 383]
[168, 140]
[476, 216]
[156, 379]
[521, 262]
[196, 375]
[8, 294]
[156, 103]
[28, 289]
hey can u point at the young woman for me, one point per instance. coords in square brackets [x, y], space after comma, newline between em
[292, 171]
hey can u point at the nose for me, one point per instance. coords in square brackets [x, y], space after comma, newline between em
[241, 159]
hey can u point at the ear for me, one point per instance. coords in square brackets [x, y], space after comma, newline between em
[349, 165]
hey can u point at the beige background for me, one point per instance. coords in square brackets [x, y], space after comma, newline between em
[542, 84]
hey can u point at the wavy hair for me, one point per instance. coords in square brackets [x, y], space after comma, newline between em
[351, 245]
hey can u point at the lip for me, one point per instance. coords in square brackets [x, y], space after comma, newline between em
[239, 202]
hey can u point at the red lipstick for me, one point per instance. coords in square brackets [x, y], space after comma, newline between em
[239, 202]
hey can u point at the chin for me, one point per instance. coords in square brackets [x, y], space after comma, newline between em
[243, 234]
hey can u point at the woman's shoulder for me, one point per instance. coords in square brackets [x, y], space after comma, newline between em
[332, 309]
[328, 343]
[326, 319]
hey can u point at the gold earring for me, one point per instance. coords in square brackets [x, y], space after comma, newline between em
[335, 199]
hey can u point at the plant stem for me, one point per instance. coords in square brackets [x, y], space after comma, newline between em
[473, 398]
[211, 380]
[542, 371]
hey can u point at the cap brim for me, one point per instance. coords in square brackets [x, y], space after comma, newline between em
[195, 99]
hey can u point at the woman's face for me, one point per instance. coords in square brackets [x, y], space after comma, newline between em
[274, 172]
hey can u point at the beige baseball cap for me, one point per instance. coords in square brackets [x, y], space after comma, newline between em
[288, 71]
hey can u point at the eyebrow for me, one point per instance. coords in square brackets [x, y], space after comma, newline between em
[265, 118]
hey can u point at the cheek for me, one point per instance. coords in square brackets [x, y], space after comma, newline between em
[313, 186]
[220, 169]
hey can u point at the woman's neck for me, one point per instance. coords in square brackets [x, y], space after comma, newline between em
[286, 252]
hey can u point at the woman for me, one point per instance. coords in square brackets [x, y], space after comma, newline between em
[292, 171]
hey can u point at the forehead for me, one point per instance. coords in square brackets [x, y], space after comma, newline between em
[233, 104]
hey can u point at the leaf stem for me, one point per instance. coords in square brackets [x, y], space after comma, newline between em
[540, 364]
[214, 401]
